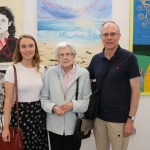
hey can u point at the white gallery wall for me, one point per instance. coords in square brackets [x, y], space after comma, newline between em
[121, 15]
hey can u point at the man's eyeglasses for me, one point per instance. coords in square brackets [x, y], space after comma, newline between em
[106, 35]
[67, 55]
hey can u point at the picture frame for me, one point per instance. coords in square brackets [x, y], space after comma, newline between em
[10, 31]
[139, 40]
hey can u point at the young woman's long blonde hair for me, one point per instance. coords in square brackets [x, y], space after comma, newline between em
[17, 57]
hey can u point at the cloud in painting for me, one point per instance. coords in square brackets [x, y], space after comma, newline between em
[58, 11]
[78, 9]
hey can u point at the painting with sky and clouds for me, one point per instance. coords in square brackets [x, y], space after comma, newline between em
[77, 22]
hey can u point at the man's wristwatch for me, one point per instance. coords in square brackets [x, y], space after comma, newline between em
[131, 117]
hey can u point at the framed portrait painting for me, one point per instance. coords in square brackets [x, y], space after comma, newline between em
[10, 29]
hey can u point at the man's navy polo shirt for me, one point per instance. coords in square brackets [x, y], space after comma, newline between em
[115, 94]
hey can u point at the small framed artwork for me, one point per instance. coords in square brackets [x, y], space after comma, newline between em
[2, 90]
[10, 29]
[139, 40]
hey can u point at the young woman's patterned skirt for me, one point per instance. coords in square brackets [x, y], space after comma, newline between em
[32, 120]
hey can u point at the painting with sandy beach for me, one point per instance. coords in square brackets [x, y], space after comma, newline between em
[77, 22]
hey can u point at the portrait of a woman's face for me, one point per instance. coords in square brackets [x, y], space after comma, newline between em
[7, 34]
[4, 23]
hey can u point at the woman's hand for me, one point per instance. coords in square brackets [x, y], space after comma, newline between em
[58, 111]
[6, 135]
[66, 106]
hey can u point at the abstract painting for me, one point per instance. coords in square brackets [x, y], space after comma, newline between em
[2, 90]
[77, 22]
[10, 28]
[140, 40]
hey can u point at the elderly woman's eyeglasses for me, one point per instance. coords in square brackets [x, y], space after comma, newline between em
[106, 35]
[67, 55]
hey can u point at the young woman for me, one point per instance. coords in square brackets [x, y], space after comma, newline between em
[29, 76]
[7, 33]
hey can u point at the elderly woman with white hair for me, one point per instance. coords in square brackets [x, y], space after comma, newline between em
[58, 98]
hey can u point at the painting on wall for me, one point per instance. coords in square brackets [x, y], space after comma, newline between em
[140, 40]
[77, 22]
[2, 90]
[10, 28]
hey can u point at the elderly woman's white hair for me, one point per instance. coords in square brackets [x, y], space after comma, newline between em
[63, 45]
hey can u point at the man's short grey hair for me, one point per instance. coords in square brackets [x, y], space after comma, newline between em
[110, 22]
[63, 45]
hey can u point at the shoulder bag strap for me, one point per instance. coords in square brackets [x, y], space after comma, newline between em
[104, 76]
[77, 92]
[16, 90]
[77, 88]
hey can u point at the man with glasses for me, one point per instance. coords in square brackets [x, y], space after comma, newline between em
[119, 95]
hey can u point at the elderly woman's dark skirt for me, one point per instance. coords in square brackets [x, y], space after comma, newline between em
[62, 142]
[32, 120]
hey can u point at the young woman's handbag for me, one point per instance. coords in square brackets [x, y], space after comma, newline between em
[83, 126]
[16, 138]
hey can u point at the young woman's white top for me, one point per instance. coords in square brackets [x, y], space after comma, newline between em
[30, 82]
